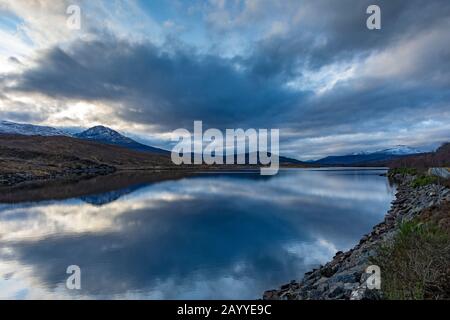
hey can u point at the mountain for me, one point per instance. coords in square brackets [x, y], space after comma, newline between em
[399, 150]
[99, 133]
[365, 157]
[109, 136]
[438, 158]
[8, 127]
[282, 160]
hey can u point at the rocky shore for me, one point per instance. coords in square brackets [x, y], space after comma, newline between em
[344, 277]
[11, 179]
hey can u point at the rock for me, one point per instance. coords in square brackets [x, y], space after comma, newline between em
[271, 295]
[285, 286]
[336, 291]
[345, 278]
[362, 293]
[323, 287]
[327, 272]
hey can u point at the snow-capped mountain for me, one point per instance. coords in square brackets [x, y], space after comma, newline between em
[107, 135]
[8, 127]
[396, 150]
[365, 157]
[361, 153]
[399, 150]
[101, 133]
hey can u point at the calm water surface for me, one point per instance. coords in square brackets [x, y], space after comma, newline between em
[229, 236]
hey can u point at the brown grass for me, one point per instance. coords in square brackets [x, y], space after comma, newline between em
[416, 265]
[23, 153]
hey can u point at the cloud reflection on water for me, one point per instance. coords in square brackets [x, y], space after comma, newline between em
[224, 236]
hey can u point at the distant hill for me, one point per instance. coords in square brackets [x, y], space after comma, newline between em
[365, 158]
[286, 160]
[282, 160]
[439, 158]
[109, 136]
[8, 127]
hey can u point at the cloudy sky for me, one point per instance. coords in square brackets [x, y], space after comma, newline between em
[310, 68]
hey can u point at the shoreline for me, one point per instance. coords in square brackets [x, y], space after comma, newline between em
[344, 276]
[17, 179]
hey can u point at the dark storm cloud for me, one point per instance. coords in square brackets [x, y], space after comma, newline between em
[402, 74]
[330, 31]
[386, 106]
[155, 86]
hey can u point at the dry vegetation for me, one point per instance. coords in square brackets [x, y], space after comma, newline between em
[416, 265]
[59, 152]
[25, 158]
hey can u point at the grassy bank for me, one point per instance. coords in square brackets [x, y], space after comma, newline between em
[416, 263]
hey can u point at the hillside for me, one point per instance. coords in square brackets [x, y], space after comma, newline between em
[36, 157]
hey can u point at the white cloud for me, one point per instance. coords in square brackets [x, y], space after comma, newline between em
[410, 58]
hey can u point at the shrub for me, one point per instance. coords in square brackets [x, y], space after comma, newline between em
[403, 171]
[416, 265]
[423, 181]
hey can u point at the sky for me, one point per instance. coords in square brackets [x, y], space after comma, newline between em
[310, 68]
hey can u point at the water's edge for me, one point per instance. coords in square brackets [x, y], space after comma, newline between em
[344, 277]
